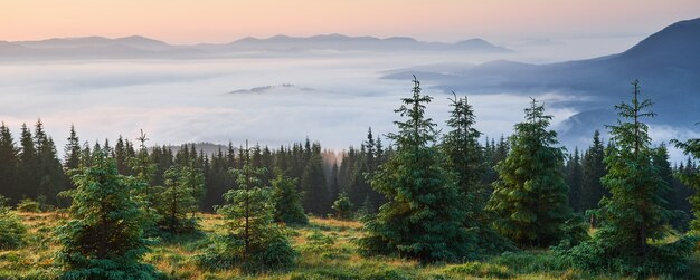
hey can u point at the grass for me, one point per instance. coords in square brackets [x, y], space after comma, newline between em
[326, 251]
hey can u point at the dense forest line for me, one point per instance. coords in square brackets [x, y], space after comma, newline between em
[429, 196]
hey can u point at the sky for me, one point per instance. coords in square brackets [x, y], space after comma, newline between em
[190, 21]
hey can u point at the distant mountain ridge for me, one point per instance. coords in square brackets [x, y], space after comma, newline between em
[142, 47]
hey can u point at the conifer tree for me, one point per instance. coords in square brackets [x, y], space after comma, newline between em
[104, 239]
[250, 238]
[592, 189]
[574, 178]
[691, 177]
[423, 216]
[530, 195]
[343, 206]
[176, 201]
[72, 150]
[12, 231]
[313, 183]
[635, 212]
[28, 164]
[10, 165]
[287, 201]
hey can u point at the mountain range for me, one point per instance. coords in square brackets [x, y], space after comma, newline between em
[141, 47]
[667, 64]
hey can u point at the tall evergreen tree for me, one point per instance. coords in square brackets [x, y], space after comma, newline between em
[72, 150]
[287, 201]
[10, 165]
[104, 239]
[691, 177]
[635, 212]
[28, 165]
[423, 216]
[592, 189]
[250, 237]
[530, 195]
[313, 183]
[574, 178]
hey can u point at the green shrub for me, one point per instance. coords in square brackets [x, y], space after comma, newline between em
[482, 270]
[27, 205]
[12, 231]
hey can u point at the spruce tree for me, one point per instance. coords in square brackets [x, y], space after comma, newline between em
[343, 206]
[10, 165]
[635, 211]
[287, 201]
[72, 150]
[28, 165]
[313, 183]
[175, 202]
[592, 189]
[574, 178]
[530, 195]
[422, 218]
[250, 238]
[104, 239]
[691, 177]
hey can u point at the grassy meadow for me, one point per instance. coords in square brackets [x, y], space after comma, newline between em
[326, 251]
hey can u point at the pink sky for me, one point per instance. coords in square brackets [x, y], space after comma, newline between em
[191, 21]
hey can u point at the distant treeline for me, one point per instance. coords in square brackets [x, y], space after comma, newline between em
[31, 168]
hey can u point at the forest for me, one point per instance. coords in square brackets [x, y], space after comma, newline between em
[423, 204]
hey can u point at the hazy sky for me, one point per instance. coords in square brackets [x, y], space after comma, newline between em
[190, 21]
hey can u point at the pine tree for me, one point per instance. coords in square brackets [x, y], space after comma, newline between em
[105, 238]
[691, 177]
[313, 183]
[250, 237]
[28, 165]
[10, 165]
[592, 189]
[423, 216]
[464, 158]
[287, 201]
[72, 150]
[574, 178]
[343, 206]
[530, 195]
[635, 212]
[175, 202]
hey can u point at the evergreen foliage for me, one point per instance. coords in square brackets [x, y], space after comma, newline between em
[691, 178]
[592, 190]
[530, 196]
[250, 238]
[635, 212]
[343, 206]
[423, 216]
[287, 201]
[104, 240]
[176, 200]
[12, 231]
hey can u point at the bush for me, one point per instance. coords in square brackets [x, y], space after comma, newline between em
[12, 231]
[27, 205]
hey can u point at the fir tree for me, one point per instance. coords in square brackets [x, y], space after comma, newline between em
[530, 195]
[288, 208]
[71, 160]
[105, 238]
[574, 178]
[313, 183]
[10, 163]
[176, 201]
[343, 206]
[592, 189]
[691, 177]
[250, 237]
[423, 216]
[635, 212]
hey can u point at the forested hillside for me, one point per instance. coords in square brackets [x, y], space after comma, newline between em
[431, 204]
